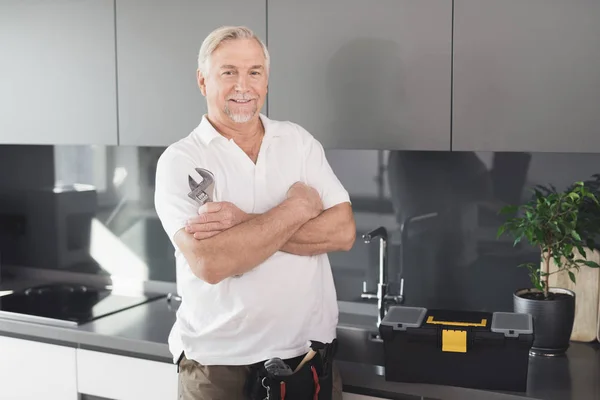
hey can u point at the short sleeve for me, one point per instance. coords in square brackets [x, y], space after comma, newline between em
[320, 176]
[171, 201]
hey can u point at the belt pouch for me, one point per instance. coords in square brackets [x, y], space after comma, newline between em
[308, 383]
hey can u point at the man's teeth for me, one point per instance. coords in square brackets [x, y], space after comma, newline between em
[241, 101]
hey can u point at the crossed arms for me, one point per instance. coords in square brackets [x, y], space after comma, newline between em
[223, 241]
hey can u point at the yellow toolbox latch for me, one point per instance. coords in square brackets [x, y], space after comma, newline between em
[454, 340]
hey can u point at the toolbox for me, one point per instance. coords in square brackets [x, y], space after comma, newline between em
[457, 348]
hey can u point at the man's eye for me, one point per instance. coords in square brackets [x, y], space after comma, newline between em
[228, 73]
[255, 73]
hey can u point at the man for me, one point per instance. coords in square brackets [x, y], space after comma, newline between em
[253, 272]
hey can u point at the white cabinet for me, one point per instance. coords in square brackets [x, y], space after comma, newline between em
[125, 378]
[32, 370]
[58, 72]
[157, 50]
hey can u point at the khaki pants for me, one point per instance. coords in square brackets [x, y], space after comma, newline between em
[218, 382]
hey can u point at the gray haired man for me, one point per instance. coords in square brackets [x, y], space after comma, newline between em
[252, 264]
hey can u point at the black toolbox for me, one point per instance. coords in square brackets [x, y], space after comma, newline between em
[457, 348]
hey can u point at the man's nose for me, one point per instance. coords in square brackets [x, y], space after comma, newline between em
[242, 83]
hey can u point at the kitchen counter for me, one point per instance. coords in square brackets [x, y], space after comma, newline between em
[143, 331]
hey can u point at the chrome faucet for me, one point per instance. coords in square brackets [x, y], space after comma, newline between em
[382, 296]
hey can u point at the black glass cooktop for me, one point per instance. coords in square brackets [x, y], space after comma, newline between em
[67, 304]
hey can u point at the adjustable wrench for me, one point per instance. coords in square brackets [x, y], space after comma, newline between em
[202, 192]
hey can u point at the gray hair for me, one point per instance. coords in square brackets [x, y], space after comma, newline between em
[219, 35]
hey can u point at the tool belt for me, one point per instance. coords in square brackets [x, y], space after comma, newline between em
[311, 381]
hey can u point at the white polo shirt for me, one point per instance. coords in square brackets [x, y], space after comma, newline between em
[288, 300]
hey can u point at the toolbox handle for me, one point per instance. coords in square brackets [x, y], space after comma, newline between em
[430, 320]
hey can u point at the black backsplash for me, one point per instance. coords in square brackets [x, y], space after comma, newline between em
[90, 209]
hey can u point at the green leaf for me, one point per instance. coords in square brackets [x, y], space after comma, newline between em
[538, 284]
[501, 230]
[568, 250]
[557, 260]
[572, 276]
[529, 234]
[573, 196]
[556, 228]
[528, 214]
[591, 264]
[531, 266]
[534, 276]
[539, 235]
[590, 243]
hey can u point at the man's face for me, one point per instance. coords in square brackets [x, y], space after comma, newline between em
[236, 83]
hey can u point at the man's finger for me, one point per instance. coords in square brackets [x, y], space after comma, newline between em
[207, 227]
[205, 235]
[210, 207]
[205, 218]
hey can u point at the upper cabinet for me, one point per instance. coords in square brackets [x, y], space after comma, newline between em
[157, 51]
[57, 74]
[362, 73]
[526, 75]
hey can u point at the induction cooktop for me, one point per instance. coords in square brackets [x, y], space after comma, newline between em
[67, 304]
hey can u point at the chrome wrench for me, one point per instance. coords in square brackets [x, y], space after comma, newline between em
[202, 192]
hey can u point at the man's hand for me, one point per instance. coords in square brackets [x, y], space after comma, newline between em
[308, 199]
[214, 218]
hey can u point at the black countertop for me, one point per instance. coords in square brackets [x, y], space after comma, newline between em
[143, 331]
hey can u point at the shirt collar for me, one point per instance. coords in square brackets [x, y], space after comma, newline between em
[207, 132]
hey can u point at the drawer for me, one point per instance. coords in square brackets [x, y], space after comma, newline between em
[124, 378]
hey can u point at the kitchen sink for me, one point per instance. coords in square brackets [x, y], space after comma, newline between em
[358, 339]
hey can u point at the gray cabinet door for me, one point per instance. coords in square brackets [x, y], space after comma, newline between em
[157, 50]
[526, 75]
[363, 73]
[57, 72]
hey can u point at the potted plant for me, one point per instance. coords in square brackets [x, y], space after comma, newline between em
[562, 225]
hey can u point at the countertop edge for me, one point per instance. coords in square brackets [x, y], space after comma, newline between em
[71, 337]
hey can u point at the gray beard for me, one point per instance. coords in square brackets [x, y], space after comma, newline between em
[239, 118]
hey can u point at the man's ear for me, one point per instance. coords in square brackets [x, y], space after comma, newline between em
[201, 82]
